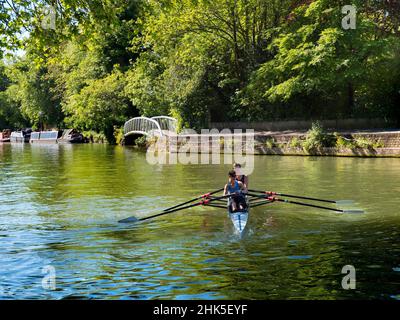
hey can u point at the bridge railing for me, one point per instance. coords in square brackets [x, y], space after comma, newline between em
[156, 126]
[142, 125]
[166, 123]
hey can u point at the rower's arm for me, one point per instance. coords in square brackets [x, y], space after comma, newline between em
[246, 182]
[225, 190]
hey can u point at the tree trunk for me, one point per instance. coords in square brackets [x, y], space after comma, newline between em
[235, 40]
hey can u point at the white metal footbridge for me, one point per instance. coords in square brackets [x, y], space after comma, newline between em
[155, 126]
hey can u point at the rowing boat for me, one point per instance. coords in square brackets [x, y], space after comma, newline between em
[239, 218]
[254, 198]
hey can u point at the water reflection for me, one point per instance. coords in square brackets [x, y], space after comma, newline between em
[59, 206]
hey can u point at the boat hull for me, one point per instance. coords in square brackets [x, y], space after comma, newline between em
[239, 220]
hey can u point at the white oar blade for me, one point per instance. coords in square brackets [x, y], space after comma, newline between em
[354, 211]
[344, 202]
[129, 220]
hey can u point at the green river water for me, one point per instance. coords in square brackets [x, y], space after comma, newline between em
[59, 207]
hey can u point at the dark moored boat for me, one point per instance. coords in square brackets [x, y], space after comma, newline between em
[71, 136]
[66, 136]
[5, 135]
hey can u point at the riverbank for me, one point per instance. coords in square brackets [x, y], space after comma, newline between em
[363, 143]
[380, 143]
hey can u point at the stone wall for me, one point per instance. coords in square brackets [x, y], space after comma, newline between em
[390, 140]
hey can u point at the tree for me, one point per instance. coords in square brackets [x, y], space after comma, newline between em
[200, 54]
[31, 89]
[88, 49]
[10, 116]
[99, 106]
[318, 62]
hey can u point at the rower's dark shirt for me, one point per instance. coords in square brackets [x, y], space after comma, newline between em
[242, 178]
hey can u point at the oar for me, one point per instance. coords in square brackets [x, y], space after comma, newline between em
[259, 203]
[202, 202]
[204, 196]
[216, 205]
[354, 211]
[270, 193]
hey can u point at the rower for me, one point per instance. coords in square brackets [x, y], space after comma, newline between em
[235, 188]
[240, 176]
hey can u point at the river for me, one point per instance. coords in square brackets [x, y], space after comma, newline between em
[59, 207]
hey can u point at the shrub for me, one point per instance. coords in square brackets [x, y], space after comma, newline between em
[366, 143]
[378, 144]
[119, 135]
[362, 142]
[295, 143]
[317, 138]
[342, 142]
[358, 142]
[94, 137]
[141, 142]
[270, 143]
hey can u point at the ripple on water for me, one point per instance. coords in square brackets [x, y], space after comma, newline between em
[67, 217]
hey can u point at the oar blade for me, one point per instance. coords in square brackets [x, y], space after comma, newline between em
[129, 220]
[344, 202]
[354, 211]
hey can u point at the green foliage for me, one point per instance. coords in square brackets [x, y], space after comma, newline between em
[317, 138]
[270, 143]
[98, 106]
[295, 143]
[329, 70]
[31, 90]
[144, 86]
[10, 117]
[362, 142]
[378, 144]
[198, 61]
[141, 142]
[75, 75]
[358, 142]
[202, 53]
[94, 137]
[119, 135]
[343, 143]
